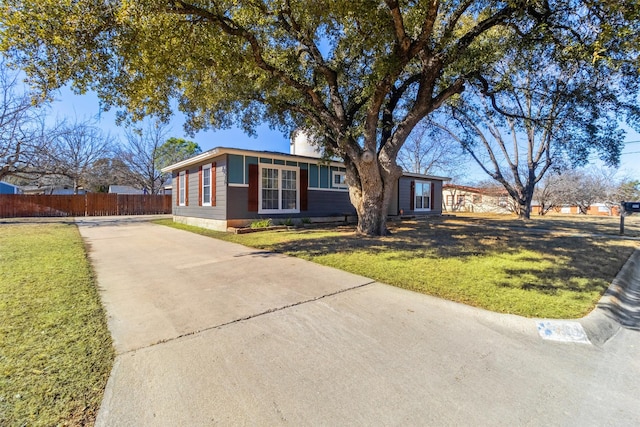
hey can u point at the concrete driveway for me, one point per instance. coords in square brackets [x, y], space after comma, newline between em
[213, 333]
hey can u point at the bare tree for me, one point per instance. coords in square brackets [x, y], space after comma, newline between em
[628, 190]
[547, 193]
[431, 151]
[75, 149]
[21, 126]
[593, 186]
[579, 187]
[534, 108]
[140, 153]
[109, 171]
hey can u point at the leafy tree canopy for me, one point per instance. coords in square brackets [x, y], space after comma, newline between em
[174, 150]
[359, 74]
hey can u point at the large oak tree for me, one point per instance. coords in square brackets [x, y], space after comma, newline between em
[359, 74]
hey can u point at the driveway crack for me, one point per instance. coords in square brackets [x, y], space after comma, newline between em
[249, 317]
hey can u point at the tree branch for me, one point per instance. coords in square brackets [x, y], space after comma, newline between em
[232, 28]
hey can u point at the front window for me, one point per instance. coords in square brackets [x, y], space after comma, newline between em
[182, 189]
[206, 185]
[279, 190]
[423, 196]
[339, 179]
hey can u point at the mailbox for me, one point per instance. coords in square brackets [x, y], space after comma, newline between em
[630, 207]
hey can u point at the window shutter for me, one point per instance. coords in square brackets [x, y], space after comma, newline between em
[213, 184]
[433, 192]
[304, 186]
[177, 189]
[412, 195]
[200, 183]
[186, 187]
[253, 189]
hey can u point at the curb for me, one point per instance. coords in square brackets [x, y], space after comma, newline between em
[619, 306]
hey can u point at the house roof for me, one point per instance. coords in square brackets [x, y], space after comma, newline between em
[124, 189]
[419, 175]
[218, 151]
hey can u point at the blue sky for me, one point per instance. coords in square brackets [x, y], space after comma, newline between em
[71, 106]
[84, 107]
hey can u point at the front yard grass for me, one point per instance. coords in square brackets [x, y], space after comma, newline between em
[546, 267]
[55, 350]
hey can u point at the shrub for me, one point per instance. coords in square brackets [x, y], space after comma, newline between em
[288, 222]
[262, 223]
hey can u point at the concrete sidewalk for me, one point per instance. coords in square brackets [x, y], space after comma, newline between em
[212, 333]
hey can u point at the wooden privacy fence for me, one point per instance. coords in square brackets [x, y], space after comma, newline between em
[90, 204]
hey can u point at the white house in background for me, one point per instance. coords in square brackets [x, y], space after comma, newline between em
[462, 198]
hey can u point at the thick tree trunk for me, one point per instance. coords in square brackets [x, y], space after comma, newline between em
[371, 186]
[523, 201]
[524, 210]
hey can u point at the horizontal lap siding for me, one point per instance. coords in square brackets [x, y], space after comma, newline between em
[329, 203]
[193, 209]
[437, 196]
[321, 203]
[404, 196]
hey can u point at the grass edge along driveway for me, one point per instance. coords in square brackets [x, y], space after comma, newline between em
[500, 265]
[56, 352]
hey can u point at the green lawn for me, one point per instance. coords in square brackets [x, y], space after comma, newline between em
[548, 267]
[55, 349]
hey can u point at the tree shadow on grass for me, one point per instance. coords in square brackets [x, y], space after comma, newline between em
[587, 264]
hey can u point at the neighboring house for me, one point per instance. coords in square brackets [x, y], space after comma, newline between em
[128, 189]
[6, 188]
[227, 187]
[600, 209]
[56, 191]
[125, 189]
[462, 198]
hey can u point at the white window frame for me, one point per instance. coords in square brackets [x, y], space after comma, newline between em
[182, 188]
[280, 168]
[422, 209]
[203, 184]
[343, 176]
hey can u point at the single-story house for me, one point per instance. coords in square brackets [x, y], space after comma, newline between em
[6, 188]
[462, 198]
[228, 187]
